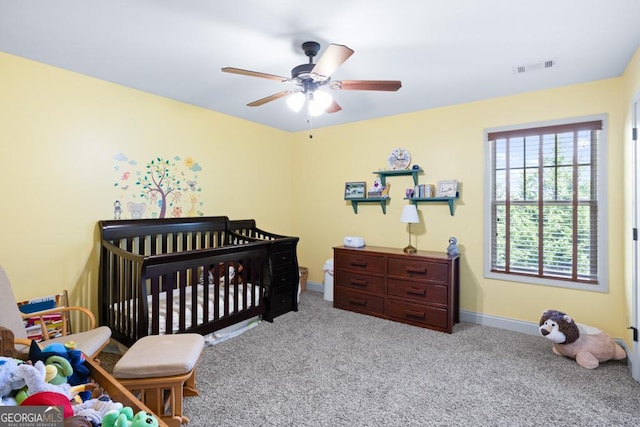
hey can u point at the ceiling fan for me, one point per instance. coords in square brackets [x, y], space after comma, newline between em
[310, 77]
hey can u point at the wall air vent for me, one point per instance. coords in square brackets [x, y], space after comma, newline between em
[536, 66]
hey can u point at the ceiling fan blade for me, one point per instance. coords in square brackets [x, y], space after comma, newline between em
[386, 85]
[254, 74]
[333, 108]
[269, 98]
[331, 59]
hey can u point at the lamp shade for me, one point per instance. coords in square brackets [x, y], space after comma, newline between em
[319, 101]
[410, 215]
[296, 101]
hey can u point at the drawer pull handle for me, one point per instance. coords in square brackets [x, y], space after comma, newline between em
[417, 292]
[416, 270]
[415, 314]
[362, 264]
[358, 301]
[358, 283]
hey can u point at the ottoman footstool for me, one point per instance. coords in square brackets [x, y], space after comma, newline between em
[160, 370]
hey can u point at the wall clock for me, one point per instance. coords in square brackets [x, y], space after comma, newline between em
[399, 159]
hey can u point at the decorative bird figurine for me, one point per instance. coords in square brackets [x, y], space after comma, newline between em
[452, 249]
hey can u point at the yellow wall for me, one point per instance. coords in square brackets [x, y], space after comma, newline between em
[61, 130]
[448, 143]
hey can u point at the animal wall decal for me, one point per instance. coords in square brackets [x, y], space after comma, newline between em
[157, 189]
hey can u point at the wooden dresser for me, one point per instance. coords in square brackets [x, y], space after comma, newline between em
[420, 289]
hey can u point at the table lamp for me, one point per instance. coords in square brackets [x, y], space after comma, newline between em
[410, 216]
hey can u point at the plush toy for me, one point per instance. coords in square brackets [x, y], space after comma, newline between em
[83, 392]
[95, 409]
[68, 361]
[125, 418]
[57, 370]
[587, 345]
[8, 401]
[34, 377]
[49, 398]
[231, 270]
[10, 378]
[142, 419]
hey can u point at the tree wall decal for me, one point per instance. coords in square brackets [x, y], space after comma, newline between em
[159, 189]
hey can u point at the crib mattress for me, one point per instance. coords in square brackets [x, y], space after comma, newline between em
[188, 292]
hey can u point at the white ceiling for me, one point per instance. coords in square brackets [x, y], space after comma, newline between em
[444, 51]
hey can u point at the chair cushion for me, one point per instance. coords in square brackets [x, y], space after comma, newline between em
[89, 342]
[160, 356]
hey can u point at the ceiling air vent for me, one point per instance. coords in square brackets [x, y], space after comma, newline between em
[536, 66]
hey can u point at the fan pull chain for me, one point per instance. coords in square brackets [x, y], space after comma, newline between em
[310, 122]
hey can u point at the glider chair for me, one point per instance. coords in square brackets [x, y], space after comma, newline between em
[90, 342]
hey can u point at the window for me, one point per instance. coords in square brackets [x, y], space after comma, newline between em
[545, 216]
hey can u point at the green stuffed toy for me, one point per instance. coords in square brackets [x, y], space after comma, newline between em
[125, 418]
[35, 380]
[69, 363]
[58, 369]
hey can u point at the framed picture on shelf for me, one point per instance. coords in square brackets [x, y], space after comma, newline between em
[447, 188]
[355, 190]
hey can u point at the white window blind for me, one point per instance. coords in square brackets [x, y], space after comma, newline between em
[545, 206]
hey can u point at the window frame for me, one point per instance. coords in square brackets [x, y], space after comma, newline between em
[602, 282]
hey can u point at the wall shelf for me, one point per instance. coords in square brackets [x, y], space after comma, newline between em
[384, 174]
[449, 200]
[415, 200]
[381, 200]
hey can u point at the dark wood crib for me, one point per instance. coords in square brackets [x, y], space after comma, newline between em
[282, 295]
[184, 275]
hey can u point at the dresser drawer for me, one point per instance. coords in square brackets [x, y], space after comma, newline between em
[284, 279]
[372, 284]
[357, 301]
[417, 314]
[281, 257]
[279, 303]
[418, 291]
[358, 262]
[419, 269]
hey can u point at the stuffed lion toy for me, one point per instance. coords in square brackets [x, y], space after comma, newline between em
[587, 345]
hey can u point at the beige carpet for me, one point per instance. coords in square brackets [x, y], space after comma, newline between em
[327, 367]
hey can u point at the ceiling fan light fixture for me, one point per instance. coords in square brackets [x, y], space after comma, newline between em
[296, 101]
[309, 77]
[319, 101]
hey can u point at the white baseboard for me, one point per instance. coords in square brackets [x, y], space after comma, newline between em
[499, 322]
[472, 317]
[315, 286]
[515, 325]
